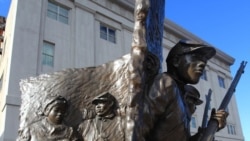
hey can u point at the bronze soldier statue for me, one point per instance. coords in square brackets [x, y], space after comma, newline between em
[191, 99]
[107, 124]
[169, 116]
[52, 126]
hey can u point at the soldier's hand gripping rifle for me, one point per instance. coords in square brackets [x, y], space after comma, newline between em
[213, 124]
[205, 115]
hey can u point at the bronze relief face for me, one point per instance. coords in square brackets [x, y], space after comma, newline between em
[56, 114]
[102, 108]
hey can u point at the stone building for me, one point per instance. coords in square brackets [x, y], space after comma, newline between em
[50, 35]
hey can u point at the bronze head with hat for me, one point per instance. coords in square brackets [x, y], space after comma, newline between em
[192, 97]
[193, 94]
[52, 101]
[55, 109]
[187, 60]
[105, 104]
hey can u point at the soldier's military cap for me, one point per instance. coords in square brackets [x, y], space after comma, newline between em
[188, 46]
[52, 101]
[193, 93]
[106, 96]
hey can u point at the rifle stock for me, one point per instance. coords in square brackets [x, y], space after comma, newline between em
[213, 124]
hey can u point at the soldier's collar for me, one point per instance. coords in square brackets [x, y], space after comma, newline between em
[110, 116]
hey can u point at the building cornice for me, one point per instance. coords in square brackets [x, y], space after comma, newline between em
[182, 33]
[129, 4]
[223, 56]
[84, 7]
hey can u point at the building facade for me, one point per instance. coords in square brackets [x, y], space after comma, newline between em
[51, 35]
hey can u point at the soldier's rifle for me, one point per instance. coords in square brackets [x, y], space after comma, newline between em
[213, 124]
[205, 115]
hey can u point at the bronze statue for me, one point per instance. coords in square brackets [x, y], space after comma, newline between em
[79, 86]
[107, 125]
[154, 103]
[52, 127]
[169, 119]
[191, 98]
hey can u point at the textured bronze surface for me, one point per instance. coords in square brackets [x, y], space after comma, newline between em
[125, 99]
[78, 86]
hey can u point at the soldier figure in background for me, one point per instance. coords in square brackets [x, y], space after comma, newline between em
[52, 126]
[107, 124]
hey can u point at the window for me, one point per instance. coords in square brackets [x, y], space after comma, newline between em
[231, 129]
[58, 12]
[193, 122]
[107, 33]
[221, 82]
[204, 75]
[48, 54]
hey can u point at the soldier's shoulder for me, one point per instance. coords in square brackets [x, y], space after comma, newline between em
[85, 123]
[164, 78]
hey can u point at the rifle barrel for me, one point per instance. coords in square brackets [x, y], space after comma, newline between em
[232, 87]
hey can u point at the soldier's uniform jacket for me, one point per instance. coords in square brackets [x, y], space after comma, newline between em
[166, 107]
[45, 131]
[102, 129]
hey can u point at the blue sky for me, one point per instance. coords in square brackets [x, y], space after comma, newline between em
[224, 24]
[4, 7]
